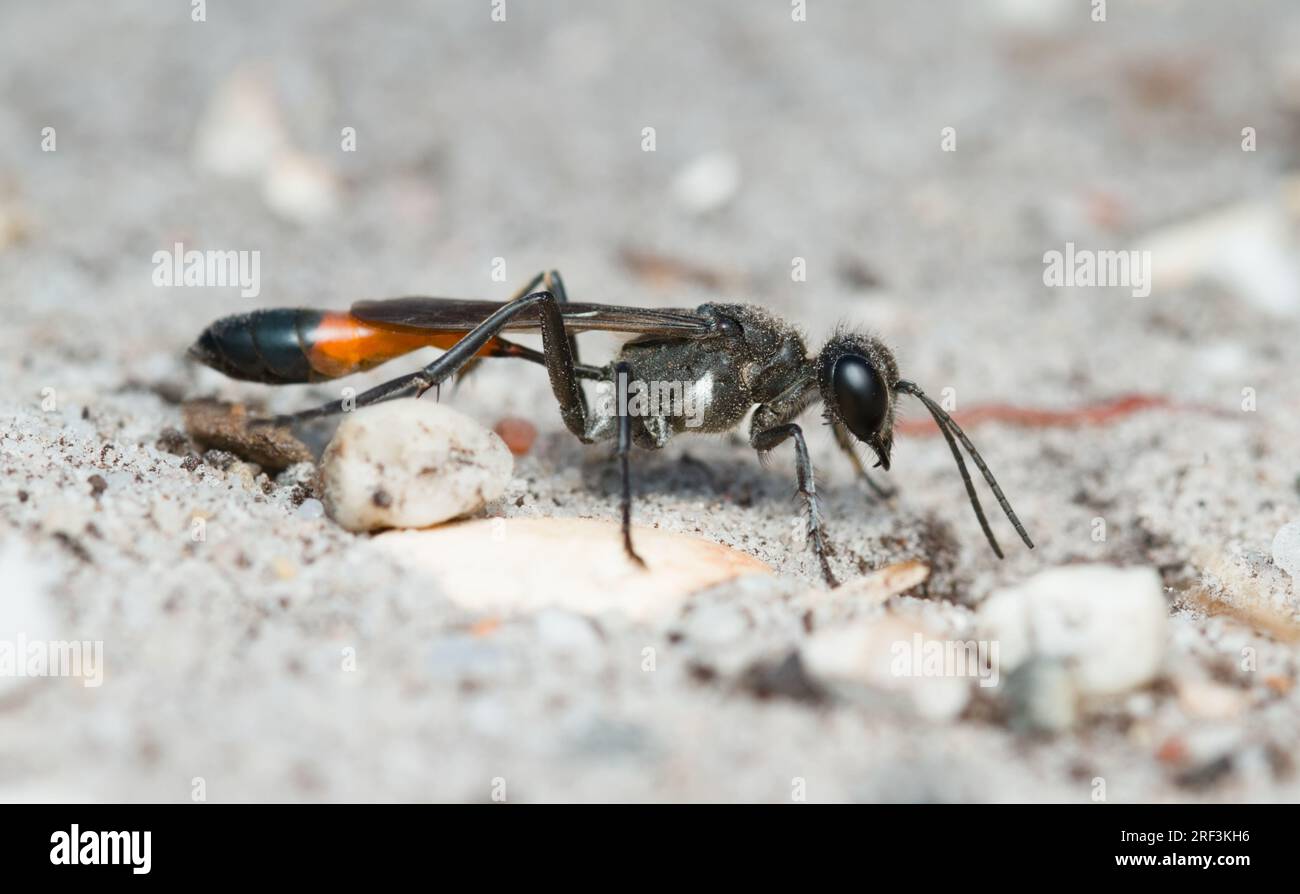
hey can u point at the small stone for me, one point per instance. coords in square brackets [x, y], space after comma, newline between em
[1206, 700]
[1207, 774]
[284, 568]
[67, 515]
[1041, 696]
[220, 460]
[566, 633]
[707, 183]
[1107, 624]
[787, 678]
[241, 130]
[1286, 549]
[716, 624]
[172, 441]
[1279, 684]
[518, 434]
[97, 485]
[26, 606]
[1172, 751]
[300, 188]
[311, 508]
[431, 462]
[460, 656]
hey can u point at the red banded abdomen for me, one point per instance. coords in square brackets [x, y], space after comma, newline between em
[283, 346]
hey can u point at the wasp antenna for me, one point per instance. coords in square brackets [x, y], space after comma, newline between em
[949, 428]
[942, 419]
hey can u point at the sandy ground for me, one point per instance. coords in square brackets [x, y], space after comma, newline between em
[226, 660]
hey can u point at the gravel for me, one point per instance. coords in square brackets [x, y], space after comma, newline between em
[251, 643]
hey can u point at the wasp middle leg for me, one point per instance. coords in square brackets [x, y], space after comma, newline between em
[621, 371]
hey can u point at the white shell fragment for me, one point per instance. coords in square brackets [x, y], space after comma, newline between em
[1106, 624]
[877, 587]
[520, 565]
[1248, 248]
[410, 463]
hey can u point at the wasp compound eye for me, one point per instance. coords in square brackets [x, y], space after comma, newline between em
[860, 396]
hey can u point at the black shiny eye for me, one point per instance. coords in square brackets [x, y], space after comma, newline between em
[860, 396]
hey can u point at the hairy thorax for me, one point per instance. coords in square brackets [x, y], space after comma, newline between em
[678, 386]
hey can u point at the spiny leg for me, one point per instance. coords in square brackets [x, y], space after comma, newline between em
[556, 355]
[515, 349]
[845, 441]
[550, 281]
[765, 440]
[403, 386]
[621, 371]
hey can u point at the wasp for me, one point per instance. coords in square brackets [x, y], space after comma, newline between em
[730, 359]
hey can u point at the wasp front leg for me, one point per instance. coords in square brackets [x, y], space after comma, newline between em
[768, 430]
[845, 440]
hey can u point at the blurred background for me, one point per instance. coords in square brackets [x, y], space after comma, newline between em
[899, 166]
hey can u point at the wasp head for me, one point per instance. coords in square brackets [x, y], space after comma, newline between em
[856, 375]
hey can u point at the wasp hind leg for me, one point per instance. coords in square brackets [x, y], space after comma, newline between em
[556, 355]
[550, 281]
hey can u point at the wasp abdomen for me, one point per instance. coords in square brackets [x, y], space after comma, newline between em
[286, 346]
[262, 346]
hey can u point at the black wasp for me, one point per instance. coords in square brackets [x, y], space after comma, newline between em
[724, 359]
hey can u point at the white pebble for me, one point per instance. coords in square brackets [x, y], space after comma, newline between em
[566, 633]
[26, 609]
[409, 464]
[1107, 624]
[707, 183]
[311, 508]
[300, 188]
[1042, 696]
[241, 130]
[1286, 548]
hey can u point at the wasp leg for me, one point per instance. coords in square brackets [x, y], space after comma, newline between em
[550, 281]
[765, 439]
[843, 438]
[625, 448]
[556, 355]
[408, 385]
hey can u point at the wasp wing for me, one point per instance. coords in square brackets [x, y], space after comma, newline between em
[462, 315]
